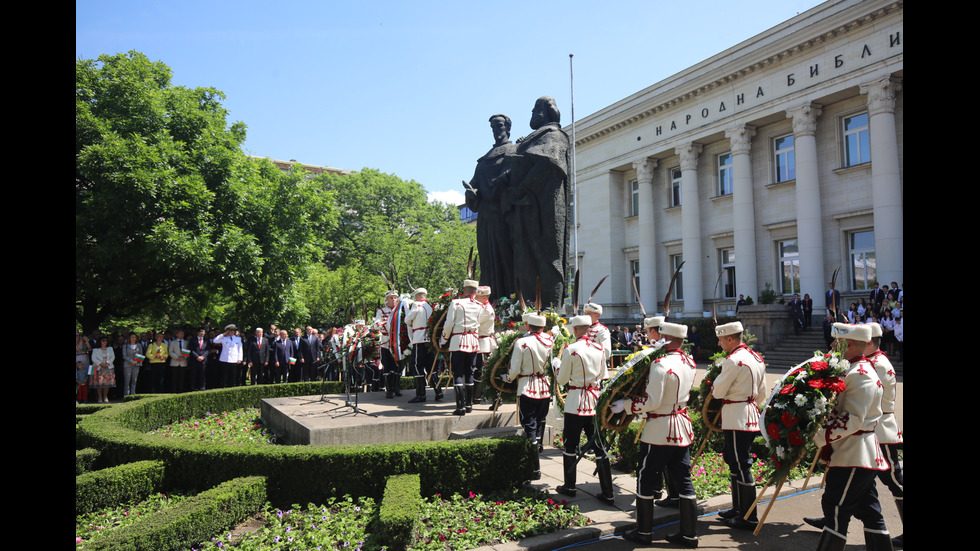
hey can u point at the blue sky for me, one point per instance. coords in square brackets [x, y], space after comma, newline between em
[407, 87]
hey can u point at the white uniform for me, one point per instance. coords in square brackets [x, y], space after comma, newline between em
[600, 334]
[850, 427]
[487, 340]
[669, 385]
[462, 325]
[527, 365]
[887, 431]
[417, 319]
[382, 319]
[583, 365]
[741, 386]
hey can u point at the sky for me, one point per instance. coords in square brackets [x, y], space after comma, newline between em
[408, 87]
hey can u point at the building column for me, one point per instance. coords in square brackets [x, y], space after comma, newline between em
[691, 230]
[809, 230]
[886, 186]
[647, 228]
[743, 211]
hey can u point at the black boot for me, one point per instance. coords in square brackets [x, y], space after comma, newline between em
[688, 536]
[734, 511]
[394, 382]
[671, 501]
[899, 541]
[469, 398]
[830, 541]
[568, 488]
[877, 540]
[419, 391]
[643, 533]
[478, 392]
[746, 497]
[816, 522]
[389, 391]
[605, 481]
[460, 400]
[535, 463]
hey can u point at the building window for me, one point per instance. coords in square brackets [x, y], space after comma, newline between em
[635, 269]
[675, 187]
[466, 215]
[726, 174]
[675, 261]
[785, 159]
[864, 272]
[789, 267]
[857, 144]
[634, 198]
[727, 258]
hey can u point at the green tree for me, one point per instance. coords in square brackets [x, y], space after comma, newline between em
[167, 205]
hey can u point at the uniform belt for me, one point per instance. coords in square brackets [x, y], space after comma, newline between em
[538, 375]
[865, 432]
[671, 414]
[419, 329]
[583, 387]
[464, 333]
[746, 401]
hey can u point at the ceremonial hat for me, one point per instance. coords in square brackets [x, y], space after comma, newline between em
[593, 307]
[732, 328]
[230, 326]
[673, 330]
[535, 320]
[860, 333]
[391, 293]
[483, 291]
[653, 322]
[420, 291]
[358, 322]
[875, 329]
[579, 321]
[470, 283]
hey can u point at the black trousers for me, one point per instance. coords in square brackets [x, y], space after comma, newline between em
[851, 492]
[738, 454]
[653, 461]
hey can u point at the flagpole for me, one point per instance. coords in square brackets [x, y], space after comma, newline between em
[571, 78]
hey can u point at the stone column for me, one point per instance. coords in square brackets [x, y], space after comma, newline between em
[886, 186]
[809, 231]
[691, 229]
[743, 211]
[647, 228]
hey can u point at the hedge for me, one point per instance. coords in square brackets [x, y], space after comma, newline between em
[296, 474]
[84, 459]
[192, 521]
[399, 510]
[123, 484]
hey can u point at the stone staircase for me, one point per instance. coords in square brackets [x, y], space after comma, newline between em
[794, 349]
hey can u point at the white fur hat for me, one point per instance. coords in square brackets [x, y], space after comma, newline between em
[483, 291]
[653, 322]
[535, 320]
[471, 283]
[673, 330]
[579, 321]
[732, 328]
[861, 333]
[593, 307]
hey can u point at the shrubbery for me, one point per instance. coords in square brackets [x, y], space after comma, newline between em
[121, 484]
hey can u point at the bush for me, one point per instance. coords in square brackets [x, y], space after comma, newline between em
[296, 474]
[192, 521]
[400, 510]
[84, 459]
[123, 484]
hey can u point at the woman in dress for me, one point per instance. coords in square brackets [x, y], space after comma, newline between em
[104, 375]
[131, 365]
[157, 355]
[81, 350]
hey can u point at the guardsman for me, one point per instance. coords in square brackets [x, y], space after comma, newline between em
[888, 432]
[741, 387]
[583, 366]
[855, 459]
[417, 319]
[461, 331]
[388, 341]
[528, 366]
[666, 438]
[597, 331]
[487, 340]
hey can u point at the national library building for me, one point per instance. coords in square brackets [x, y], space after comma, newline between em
[772, 163]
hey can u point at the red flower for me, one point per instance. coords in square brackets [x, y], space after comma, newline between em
[816, 383]
[835, 384]
[788, 389]
[819, 366]
[794, 438]
[789, 419]
[773, 430]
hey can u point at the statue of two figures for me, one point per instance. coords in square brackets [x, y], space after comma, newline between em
[521, 192]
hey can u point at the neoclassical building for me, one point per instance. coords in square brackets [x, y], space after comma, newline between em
[774, 162]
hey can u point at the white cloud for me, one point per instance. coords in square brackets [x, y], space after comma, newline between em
[452, 197]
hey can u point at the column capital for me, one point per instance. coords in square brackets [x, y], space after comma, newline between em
[644, 169]
[741, 138]
[881, 95]
[804, 118]
[689, 155]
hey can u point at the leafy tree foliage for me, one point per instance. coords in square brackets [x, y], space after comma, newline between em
[167, 205]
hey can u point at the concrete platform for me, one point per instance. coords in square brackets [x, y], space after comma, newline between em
[308, 420]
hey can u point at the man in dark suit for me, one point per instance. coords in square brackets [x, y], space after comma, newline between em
[878, 295]
[257, 358]
[279, 360]
[198, 359]
[309, 353]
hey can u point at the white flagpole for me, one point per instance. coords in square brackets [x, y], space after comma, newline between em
[571, 78]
